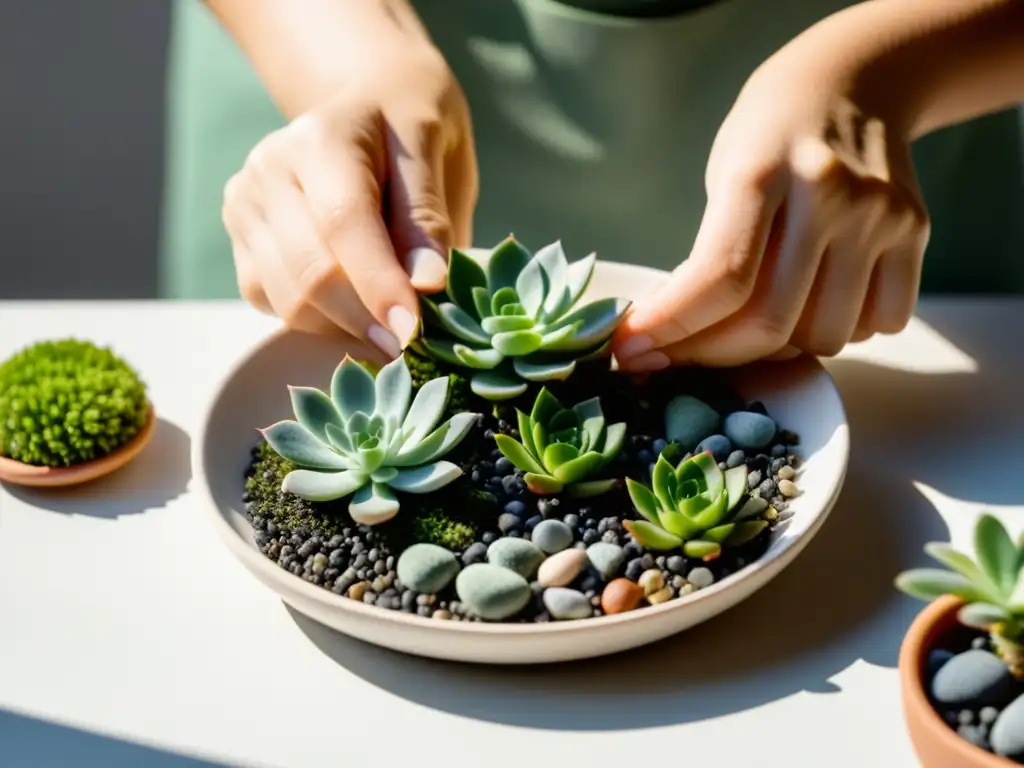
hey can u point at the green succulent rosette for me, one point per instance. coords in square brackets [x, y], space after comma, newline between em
[518, 319]
[369, 438]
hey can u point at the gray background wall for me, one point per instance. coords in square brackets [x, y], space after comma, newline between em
[81, 146]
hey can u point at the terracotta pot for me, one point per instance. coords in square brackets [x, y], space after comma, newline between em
[937, 745]
[27, 474]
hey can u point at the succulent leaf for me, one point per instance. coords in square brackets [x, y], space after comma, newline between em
[492, 385]
[589, 488]
[719, 534]
[645, 502]
[578, 469]
[481, 359]
[705, 550]
[516, 343]
[505, 324]
[580, 275]
[508, 259]
[982, 615]
[930, 583]
[752, 507]
[599, 319]
[745, 531]
[482, 302]
[426, 479]
[652, 536]
[553, 370]
[425, 410]
[459, 322]
[339, 439]
[353, 388]
[373, 504]
[464, 274]
[962, 564]
[552, 261]
[294, 442]
[323, 486]
[532, 287]
[518, 454]
[437, 443]
[314, 410]
[542, 484]
[614, 439]
[997, 553]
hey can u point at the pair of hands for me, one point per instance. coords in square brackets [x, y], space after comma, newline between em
[813, 235]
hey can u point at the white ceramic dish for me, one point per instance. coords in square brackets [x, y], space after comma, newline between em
[799, 394]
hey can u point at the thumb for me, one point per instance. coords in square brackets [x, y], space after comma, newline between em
[419, 222]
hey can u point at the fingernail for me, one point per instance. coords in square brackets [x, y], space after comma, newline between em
[427, 267]
[634, 346]
[386, 342]
[403, 324]
[652, 361]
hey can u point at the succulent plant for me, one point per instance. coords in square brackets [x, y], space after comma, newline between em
[366, 439]
[561, 447]
[694, 506]
[991, 586]
[517, 321]
[66, 402]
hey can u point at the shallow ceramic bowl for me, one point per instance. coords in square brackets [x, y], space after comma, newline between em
[798, 393]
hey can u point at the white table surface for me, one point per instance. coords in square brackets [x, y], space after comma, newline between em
[129, 636]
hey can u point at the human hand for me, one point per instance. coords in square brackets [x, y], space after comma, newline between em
[813, 235]
[339, 218]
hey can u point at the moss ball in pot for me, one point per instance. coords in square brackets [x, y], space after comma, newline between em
[70, 411]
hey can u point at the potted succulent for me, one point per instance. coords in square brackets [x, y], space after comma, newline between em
[962, 661]
[502, 469]
[70, 412]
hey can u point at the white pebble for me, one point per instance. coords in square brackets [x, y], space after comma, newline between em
[700, 578]
[651, 580]
[786, 473]
[787, 488]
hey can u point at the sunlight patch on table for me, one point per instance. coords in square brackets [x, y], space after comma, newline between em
[919, 348]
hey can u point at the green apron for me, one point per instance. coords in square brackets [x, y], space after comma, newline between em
[591, 127]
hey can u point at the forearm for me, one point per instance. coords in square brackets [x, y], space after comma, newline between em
[303, 50]
[926, 63]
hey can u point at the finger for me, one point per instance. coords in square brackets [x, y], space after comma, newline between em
[282, 293]
[238, 209]
[716, 280]
[317, 277]
[419, 222]
[342, 188]
[765, 324]
[462, 190]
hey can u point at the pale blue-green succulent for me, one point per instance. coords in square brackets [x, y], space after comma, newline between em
[563, 448]
[991, 586]
[518, 319]
[366, 439]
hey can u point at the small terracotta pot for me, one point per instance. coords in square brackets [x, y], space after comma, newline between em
[937, 745]
[19, 473]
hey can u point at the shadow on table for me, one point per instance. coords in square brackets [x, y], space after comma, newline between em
[158, 475]
[27, 741]
[833, 607]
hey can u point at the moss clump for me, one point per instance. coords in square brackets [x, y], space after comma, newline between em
[67, 402]
[436, 527]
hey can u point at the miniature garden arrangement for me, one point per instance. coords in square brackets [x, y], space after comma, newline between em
[974, 674]
[69, 411]
[501, 469]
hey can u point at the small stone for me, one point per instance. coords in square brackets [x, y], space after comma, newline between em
[606, 558]
[753, 478]
[659, 445]
[719, 445]
[621, 595]
[517, 555]
[533, 522]
[562, 568]
[786, 472]
[734, 459]
[508, 522]
[936, 659]
[676, 564]
[700, 577]
[319, 563]
[358, 590]
[1007, 734]
[475, 553]
[590, 536]
[492, 592]
[634, 568]
[409, 601]
[778, 451]
[766, 488]
[980, 643]
[748, 429]
[988, 715]
[651, 581]
[661, 596]
[689, 420]
[427, 567]
[516, 507]
[440, 613]
[503, 466]
[573, 521]
[974, 678]
[564, 603]
[552, 536]
[787, 488]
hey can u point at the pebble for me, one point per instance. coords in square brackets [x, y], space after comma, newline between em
[606, 558]
[358, 590]
[974, 678]
[492, 592]
[517, 555]
[440, 613]
[508, 522]
[700, 577]
[661, 596]
[753, 478]
[319, 563]
[516, 507]
[552, 536]
[748, 429]
[634, 568]
[1007, 734]
[734, 459]
[564, 603]
[475, 553]
[719, 445]
[562, 568]
[621, 595]
[787, 488]
[659, 445]
[651, 581]
[689, 420]
[786, 472]
[676, 564]
[427, 567]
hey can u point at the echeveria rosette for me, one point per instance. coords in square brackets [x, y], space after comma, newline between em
[366, 439]
[693, 506]
[991, 585]
[562, 447]
[517, 320]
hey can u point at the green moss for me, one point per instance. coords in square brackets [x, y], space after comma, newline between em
[67, 402]
[423, 369]
[436, 527]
